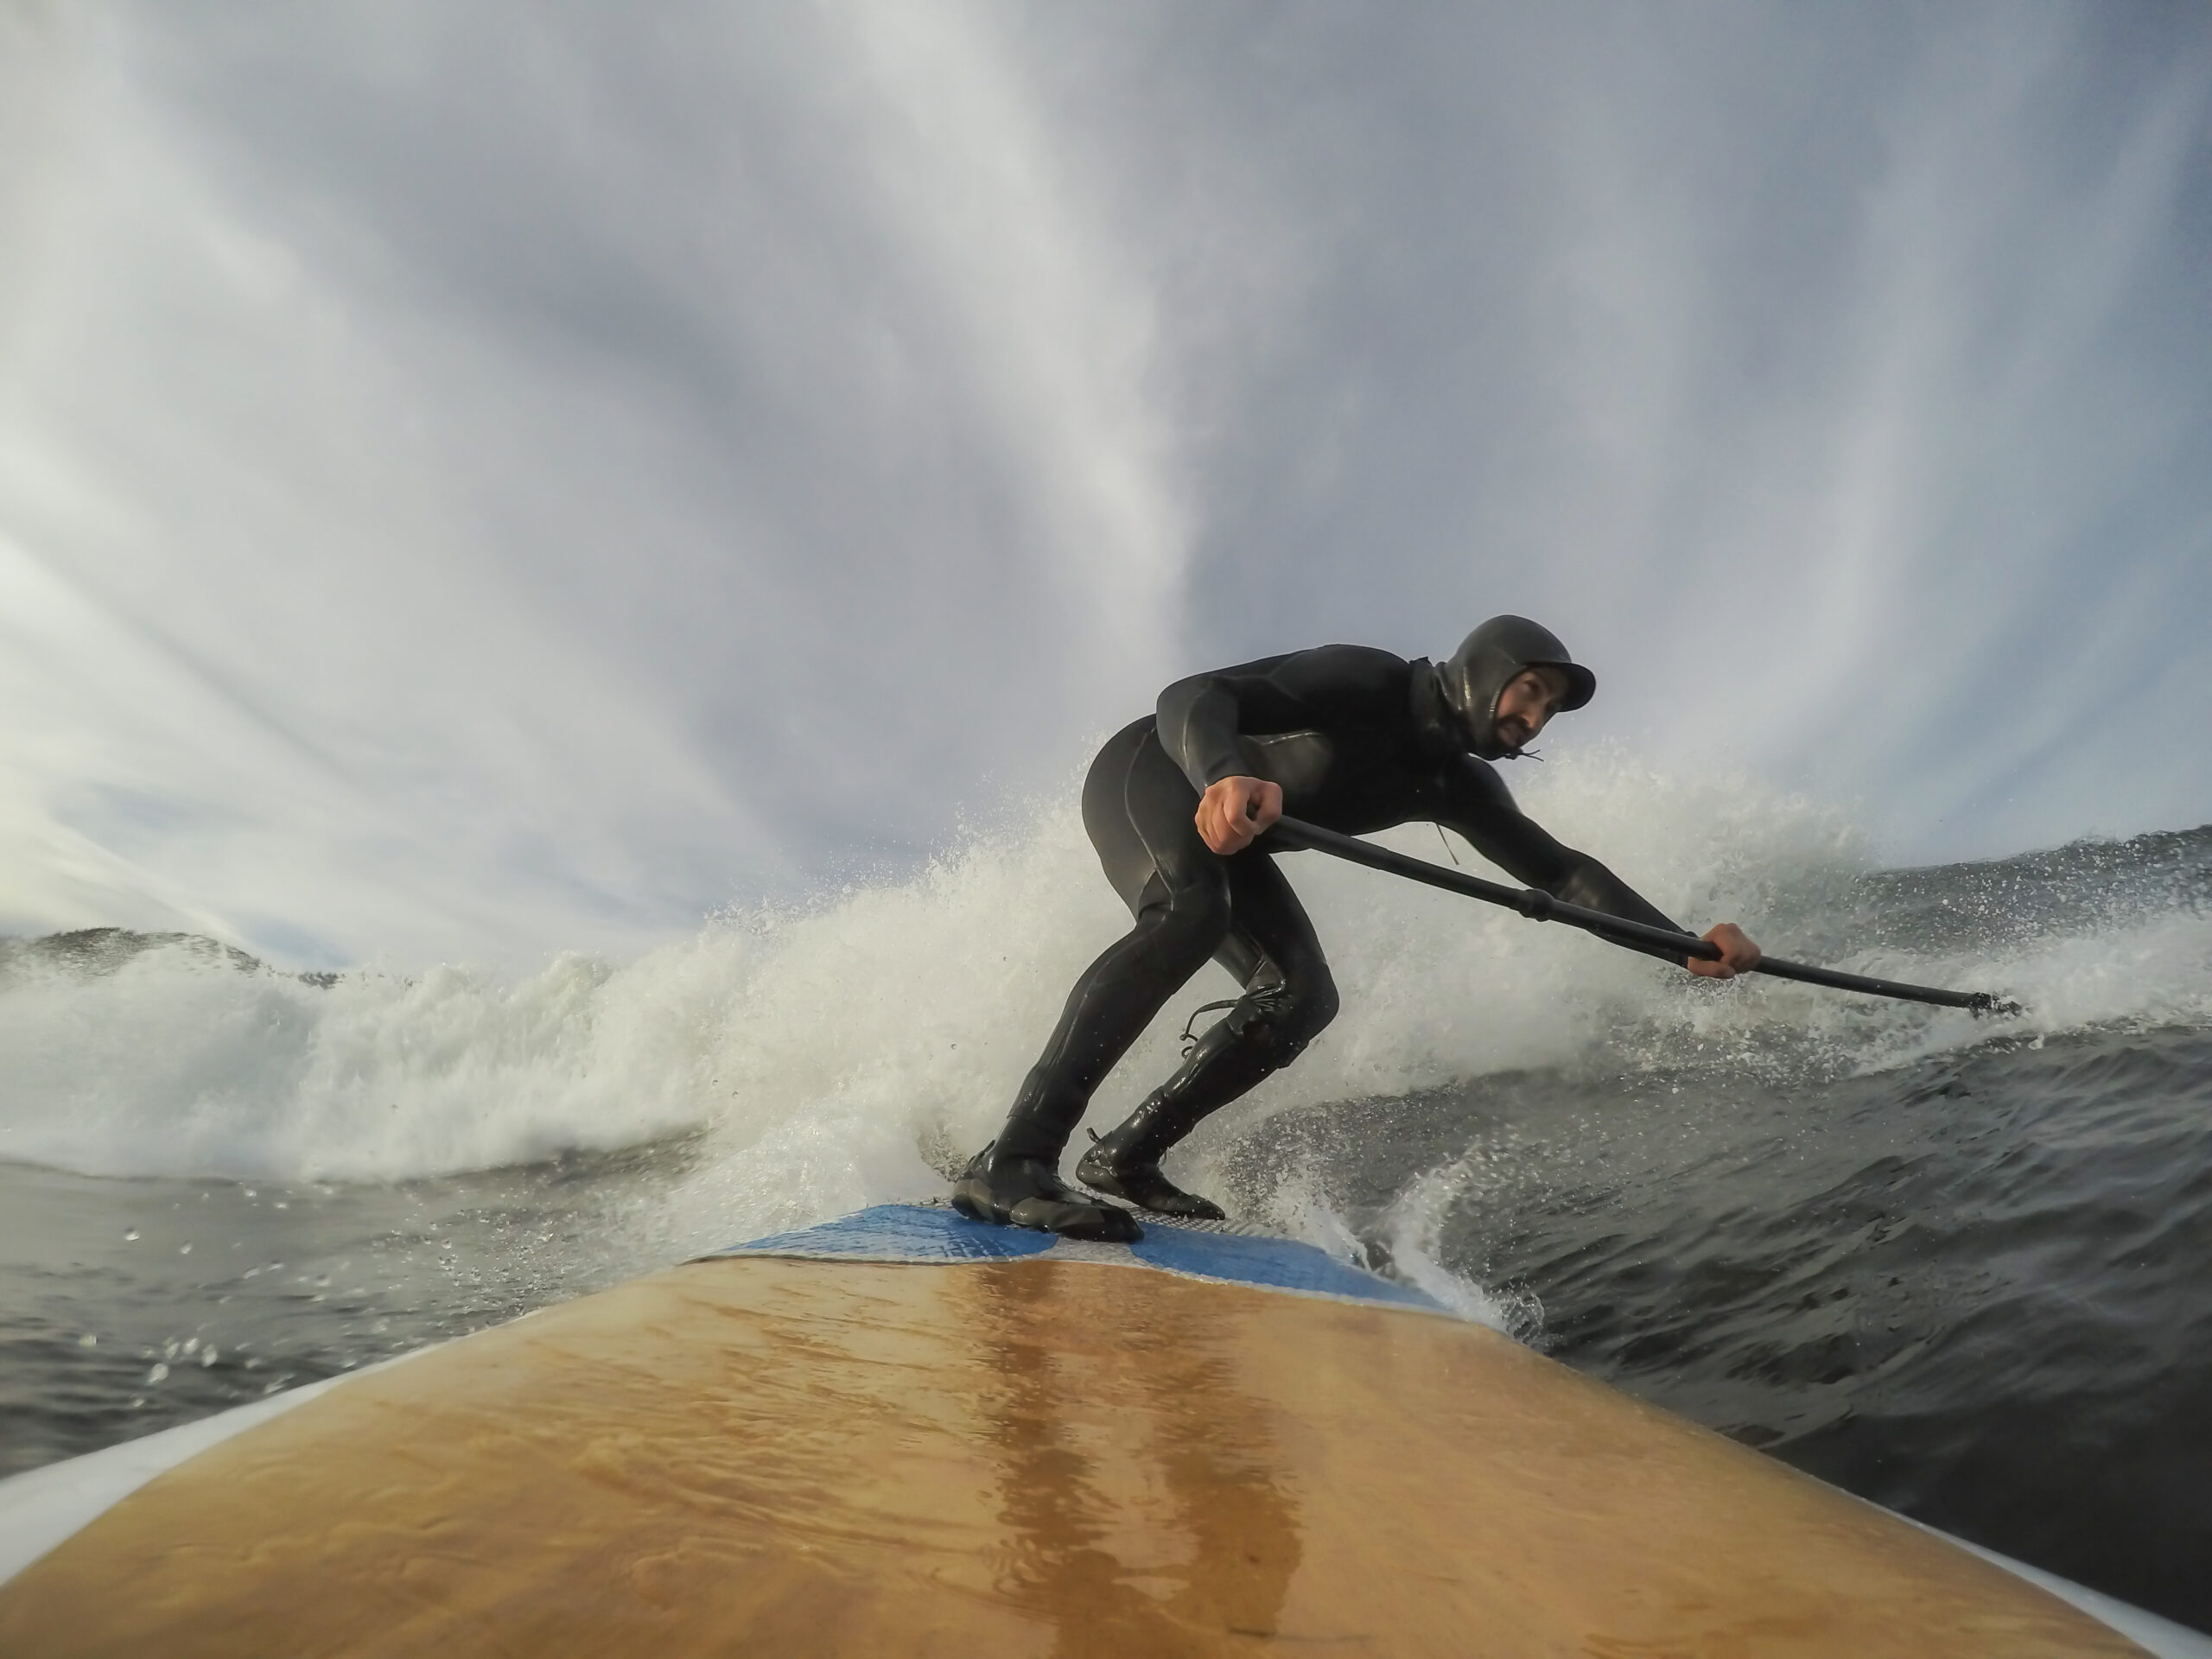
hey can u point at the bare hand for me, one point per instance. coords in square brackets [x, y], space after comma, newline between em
[1737, 953]
[1234, 811]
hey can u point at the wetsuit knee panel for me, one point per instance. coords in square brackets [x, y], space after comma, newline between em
[1317, 1006]
[1277, 1022]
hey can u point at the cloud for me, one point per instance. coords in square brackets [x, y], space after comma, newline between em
[576, 472]
[1832, 380]
[481, 480]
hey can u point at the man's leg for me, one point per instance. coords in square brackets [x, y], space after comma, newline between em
[1138, 808]
[1288, 997]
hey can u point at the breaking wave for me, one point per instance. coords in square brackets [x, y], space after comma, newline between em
[841, 1053]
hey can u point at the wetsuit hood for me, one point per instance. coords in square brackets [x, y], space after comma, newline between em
[1478, 672]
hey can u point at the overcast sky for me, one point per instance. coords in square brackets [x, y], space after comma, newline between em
[479, 478]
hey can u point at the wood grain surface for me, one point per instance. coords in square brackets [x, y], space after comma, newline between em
[1050, 1457]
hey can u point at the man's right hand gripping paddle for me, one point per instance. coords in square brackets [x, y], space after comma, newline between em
[1236, 811]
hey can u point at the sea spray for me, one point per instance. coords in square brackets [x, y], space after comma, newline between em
[823, 1057]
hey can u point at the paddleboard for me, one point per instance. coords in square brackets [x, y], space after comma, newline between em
[906, 1432]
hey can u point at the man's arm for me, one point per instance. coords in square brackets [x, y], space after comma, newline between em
[1200, 719]
[1483, 809]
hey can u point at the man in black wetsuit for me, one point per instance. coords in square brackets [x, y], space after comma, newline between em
[1352, 738]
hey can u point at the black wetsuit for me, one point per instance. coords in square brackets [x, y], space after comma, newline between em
[1359, 740]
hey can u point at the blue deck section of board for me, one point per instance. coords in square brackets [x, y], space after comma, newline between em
[914, 1233]
[900, 1232]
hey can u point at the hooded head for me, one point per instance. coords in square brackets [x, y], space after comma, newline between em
[1484, 665]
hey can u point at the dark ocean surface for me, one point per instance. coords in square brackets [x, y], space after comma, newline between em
[1962, 1270]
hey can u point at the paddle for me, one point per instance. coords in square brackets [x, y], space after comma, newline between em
[1293, 835]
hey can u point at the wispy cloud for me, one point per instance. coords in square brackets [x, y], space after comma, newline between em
[484, 479]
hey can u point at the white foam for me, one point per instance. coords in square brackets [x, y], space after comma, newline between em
[825, 1059]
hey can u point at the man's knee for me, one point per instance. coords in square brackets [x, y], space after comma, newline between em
[1311, 1005]
[1317, 1005]
[1281, 1020]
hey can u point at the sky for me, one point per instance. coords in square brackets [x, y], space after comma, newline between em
[483, 478]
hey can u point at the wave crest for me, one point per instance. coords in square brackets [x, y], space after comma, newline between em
[842, 1054]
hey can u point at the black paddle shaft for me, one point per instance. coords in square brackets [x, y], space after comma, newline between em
[1293, 835]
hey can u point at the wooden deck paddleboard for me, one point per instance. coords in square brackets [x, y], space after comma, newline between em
[905, 1433]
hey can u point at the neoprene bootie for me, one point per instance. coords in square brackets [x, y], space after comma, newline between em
[1126, 1163]
[1028, 1193]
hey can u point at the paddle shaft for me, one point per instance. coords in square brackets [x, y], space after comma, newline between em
[1293, 835]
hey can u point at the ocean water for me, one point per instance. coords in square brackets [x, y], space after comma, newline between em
[1956, 1266]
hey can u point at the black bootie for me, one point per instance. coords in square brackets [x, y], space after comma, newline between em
[1126, 1163]
[1018, 1191]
